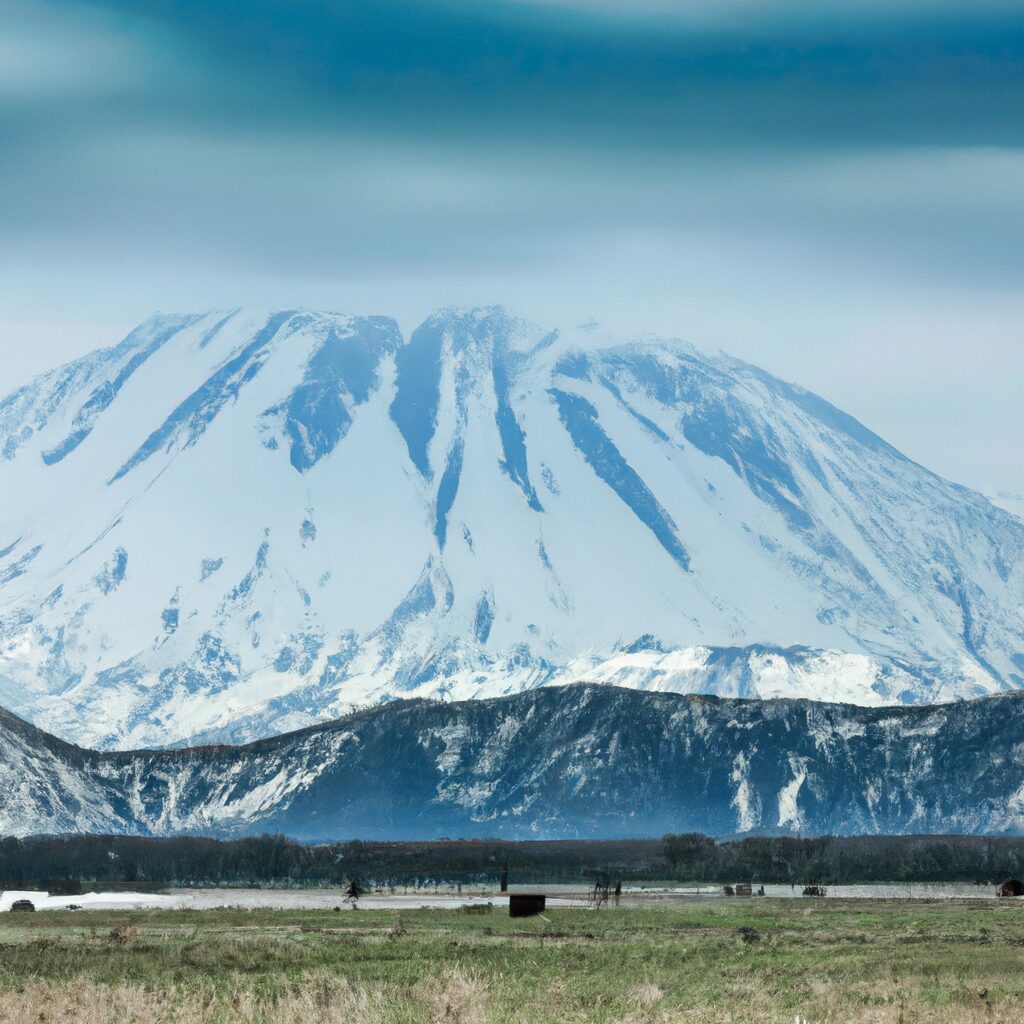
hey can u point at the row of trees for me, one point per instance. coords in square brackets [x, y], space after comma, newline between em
[846, 859]
[275, 860]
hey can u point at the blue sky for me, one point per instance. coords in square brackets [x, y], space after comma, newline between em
[838, 197]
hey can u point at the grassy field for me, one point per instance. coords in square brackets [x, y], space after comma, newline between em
[722, 961]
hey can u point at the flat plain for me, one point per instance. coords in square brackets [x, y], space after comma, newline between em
[704, 960]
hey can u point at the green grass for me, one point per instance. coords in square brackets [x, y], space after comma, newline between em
[816, 961]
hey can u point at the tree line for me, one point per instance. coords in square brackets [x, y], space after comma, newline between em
[274, 860]
[838, 860]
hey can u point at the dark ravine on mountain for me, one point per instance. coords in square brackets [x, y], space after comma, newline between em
[581, 760]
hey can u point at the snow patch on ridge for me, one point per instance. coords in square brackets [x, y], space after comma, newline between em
[790, 815]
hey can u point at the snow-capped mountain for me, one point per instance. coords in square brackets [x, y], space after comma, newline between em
[588, 761]
[238, 523]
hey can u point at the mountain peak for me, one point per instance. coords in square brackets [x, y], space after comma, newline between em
[277, 514]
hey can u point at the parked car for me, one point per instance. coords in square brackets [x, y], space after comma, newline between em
[22, 905]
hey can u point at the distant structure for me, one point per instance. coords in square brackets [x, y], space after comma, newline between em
[739, 889]
[1012, 887]
[21, 899]
[526, 904]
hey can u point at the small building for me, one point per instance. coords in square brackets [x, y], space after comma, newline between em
[1011, 887]
[739, 889]
[526, 904]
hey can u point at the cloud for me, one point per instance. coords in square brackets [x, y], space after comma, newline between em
[779, 179]
[49, 55]
[773, 11]
[335, 136]
[472, 72]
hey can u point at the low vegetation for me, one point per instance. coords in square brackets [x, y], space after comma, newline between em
[703, 961]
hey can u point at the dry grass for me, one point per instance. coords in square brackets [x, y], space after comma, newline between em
[865, 963]
[453, 998]
[89, 1003]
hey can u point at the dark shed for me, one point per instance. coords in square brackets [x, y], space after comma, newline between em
[525, 904]
[1011, 887]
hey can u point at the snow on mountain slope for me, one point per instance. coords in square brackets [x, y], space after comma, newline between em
[589, 761]
[238, 523]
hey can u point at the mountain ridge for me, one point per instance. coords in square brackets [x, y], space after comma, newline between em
[557, 762]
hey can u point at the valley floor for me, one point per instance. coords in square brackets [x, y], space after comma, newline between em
[700, 961]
